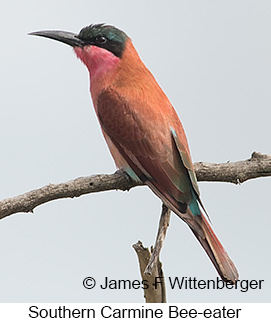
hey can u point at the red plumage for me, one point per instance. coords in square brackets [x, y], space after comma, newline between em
[142, 129]
[145, 134]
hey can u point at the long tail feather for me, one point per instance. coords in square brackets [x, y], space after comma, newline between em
[207, 238]
[216, 252]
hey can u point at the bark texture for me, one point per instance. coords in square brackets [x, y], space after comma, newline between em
[258, 165]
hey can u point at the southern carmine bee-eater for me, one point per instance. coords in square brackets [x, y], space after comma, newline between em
[142, 129]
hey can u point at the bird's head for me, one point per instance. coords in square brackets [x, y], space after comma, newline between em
[96, 45]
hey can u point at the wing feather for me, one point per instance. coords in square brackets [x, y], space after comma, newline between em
[145, 139]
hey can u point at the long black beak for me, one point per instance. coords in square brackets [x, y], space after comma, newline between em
[62, 36]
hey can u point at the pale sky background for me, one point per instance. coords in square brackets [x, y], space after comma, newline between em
[212, 58]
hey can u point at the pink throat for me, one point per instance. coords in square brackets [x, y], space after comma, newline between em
[99, 61]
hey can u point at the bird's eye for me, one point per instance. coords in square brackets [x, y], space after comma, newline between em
[100, 40]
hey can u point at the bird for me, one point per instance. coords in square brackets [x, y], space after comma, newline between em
[142, 129]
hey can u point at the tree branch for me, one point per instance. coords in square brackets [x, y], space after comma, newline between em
[235, 172]
[258, 165]
[74, 188]
[156, 291]
[150, 265]
[162, 230]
